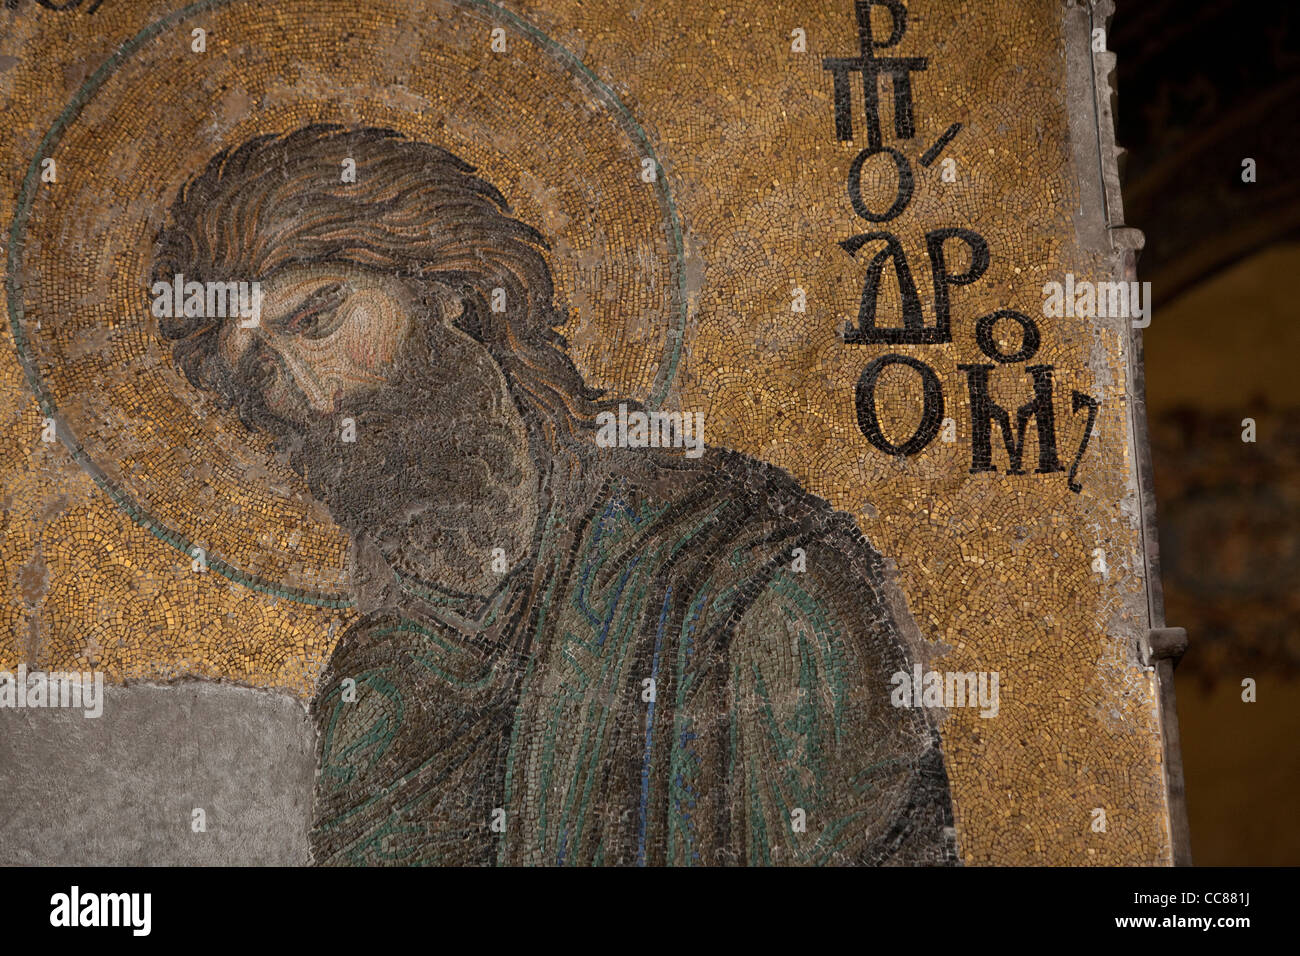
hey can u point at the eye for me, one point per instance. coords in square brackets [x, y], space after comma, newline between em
[305, 323]
[318, 316]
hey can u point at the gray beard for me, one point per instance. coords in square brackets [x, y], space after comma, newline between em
[437, 477]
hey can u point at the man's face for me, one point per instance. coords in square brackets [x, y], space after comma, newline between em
[328, 333]
[438, 470]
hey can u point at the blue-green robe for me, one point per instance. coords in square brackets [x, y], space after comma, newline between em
[694, 670]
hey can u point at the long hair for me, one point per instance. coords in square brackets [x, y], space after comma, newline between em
[415, 211]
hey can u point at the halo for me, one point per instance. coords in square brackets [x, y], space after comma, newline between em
[536, 122]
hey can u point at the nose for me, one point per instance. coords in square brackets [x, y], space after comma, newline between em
[235, 341]
[250, 355]
[261, 370]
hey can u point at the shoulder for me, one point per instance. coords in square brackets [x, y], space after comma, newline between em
[738, 497]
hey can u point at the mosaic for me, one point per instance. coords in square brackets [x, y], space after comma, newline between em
[687, 435]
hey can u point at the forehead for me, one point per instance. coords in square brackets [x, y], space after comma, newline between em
[289, 287]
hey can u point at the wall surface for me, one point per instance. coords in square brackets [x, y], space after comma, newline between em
[125, 787]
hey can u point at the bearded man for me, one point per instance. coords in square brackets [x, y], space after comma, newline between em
[566, 654]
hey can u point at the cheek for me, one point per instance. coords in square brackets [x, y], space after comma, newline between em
[373, 331]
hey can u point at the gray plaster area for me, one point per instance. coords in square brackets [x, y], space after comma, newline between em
[121, 789]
